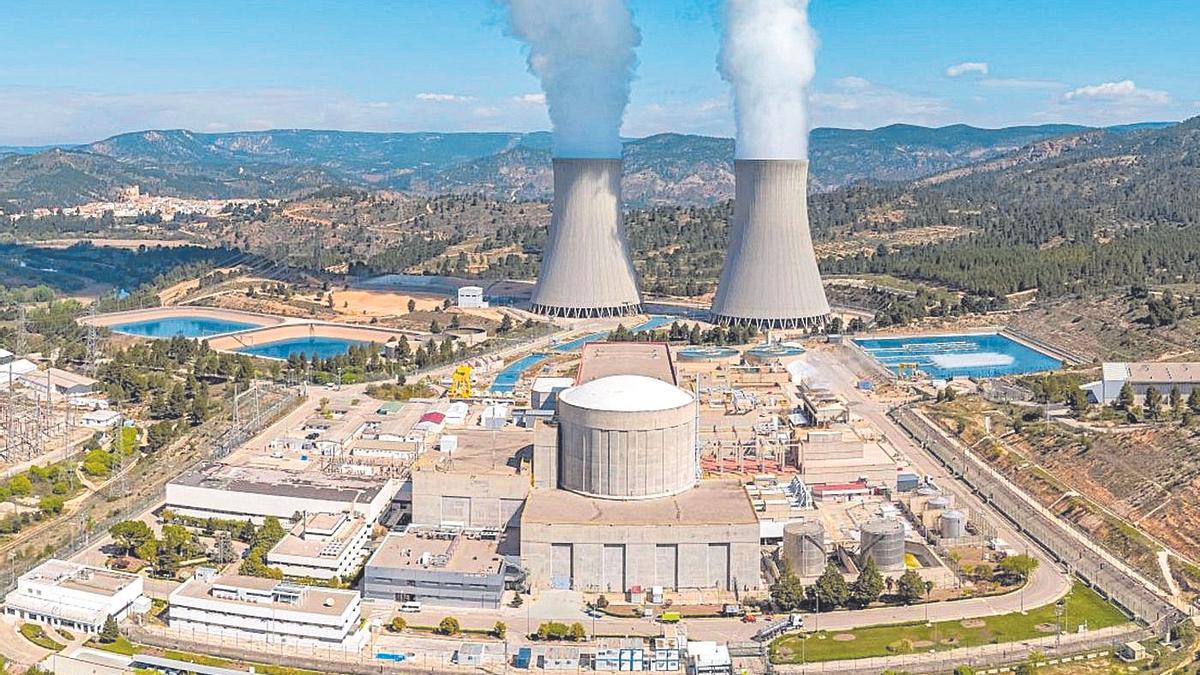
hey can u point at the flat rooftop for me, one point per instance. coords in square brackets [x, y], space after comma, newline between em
[463, 554]
[85, 578]
[279, 483]
[302, 541]
[601, 359]
[1164, 372]
[313, 599]
[712, 502]
[482, 451]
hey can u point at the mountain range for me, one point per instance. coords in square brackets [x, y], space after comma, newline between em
[660, 169]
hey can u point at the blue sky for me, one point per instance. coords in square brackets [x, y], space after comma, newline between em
[74, 71]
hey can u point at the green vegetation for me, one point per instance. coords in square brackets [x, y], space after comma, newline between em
[449, 626]
[556, 630]
[264, 538]
[121, 645]
[35, 634]
[394, 391]
[1082, 606]
[47, 487]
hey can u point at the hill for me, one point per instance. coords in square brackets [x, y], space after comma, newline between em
[660, 169]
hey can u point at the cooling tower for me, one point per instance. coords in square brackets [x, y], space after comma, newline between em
[586, 269]
[770, 278]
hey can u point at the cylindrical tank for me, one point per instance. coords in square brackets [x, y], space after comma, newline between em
[937, 503]
[883, 542]
[804, 547]
[953, 524]
[626, 437]
[928, 491]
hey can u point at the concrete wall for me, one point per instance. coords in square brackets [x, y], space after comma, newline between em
[483, 501]
[674, 556]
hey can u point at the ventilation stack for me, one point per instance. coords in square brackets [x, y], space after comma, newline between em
[770, 278]
[586, 269]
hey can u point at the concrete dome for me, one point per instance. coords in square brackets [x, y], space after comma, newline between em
[626, 393]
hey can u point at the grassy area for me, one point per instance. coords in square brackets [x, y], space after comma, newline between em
[37, 636]
[1083, 606]
[122, 645]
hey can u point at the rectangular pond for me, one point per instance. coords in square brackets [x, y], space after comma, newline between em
[309, 346]
[947, 356]
[183, 326]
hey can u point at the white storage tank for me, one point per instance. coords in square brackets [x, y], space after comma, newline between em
[626, 437]
[804, 547]
[883, 542]
[953, 524]
[937, 503]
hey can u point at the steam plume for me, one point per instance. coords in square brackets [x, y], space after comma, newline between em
[768, 56]
[582, 50]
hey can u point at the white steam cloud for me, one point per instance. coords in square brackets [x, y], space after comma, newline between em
[582, 50]
[768, 55]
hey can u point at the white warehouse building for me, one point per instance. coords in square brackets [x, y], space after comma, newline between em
[255, 608]
[1162, 376]
[73, 596]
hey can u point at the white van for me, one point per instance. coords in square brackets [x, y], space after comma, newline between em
[410, 606]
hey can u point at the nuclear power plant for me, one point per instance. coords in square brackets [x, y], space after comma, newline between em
[586, 270]
[770, 278]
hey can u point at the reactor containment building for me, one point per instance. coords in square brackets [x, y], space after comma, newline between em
[586, 269]
[770, 278]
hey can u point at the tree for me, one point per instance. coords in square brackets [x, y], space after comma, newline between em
[1125, 399]
[269, 534]
[111, 631]
[1176, 398]
[964, 670]
[500, 629]
[223, 552]
[787, 592]
[911, 587]
[1019, 566]
[130, 534]
[147, 550]
[868, 586]
[398, 624]
[1078, 401]
[412, 305]
[577, 632]
[1193, 400]
[51, 504]
[506, 324]
[830, 590]
[20, 485]
[449, 626]
[1154, 402]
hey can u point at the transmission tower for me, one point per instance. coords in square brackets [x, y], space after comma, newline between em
[92, 344]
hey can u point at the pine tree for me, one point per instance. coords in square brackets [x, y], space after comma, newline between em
[787, 592]
[830, 590]
[110, 632]
[1125, 399]
[868, 586]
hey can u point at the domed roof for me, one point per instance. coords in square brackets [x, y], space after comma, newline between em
[626, 393]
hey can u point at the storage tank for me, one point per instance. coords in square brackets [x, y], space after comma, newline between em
[953, 524]
[626, 437]
[883, 542]
[804, 547]
[937, 503]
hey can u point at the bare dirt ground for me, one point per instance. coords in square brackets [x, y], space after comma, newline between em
[380, 303]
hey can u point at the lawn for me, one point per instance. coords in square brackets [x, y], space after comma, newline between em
[121, 645]
[37, 636]
[1083, 605]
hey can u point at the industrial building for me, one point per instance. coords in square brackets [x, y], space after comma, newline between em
[471, 297]
[482, 485]
[770, 278]
[586, 268]
[256, 608]
[439, 566]
[1162, 376]
[73, 596]
[322, 546]
[224, 491]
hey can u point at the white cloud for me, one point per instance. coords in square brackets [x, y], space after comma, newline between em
[967, 67]
[856, 102]
[535, 99]
[706, 117]
[444, 98]
[487, 112]
[1125, 92]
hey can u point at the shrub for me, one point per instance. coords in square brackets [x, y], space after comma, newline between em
[449, 626]
[398, 624]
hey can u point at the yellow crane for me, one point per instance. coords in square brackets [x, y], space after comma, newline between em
[460, 383]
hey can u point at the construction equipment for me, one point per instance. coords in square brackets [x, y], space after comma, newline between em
[460, 383]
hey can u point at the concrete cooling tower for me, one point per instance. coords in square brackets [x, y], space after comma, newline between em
[770, 278]
[586, 269]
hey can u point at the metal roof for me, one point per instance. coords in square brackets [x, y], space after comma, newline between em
[626, 393]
